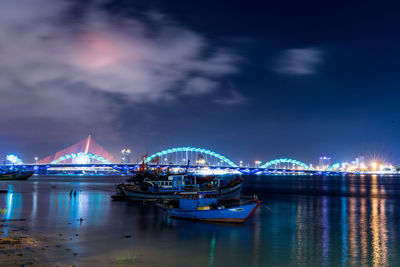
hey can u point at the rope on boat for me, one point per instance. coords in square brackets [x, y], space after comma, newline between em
[261, 205]
[266, 207]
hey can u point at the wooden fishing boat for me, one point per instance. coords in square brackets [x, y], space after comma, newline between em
[169, 187]
[15, 174]
[205, 207]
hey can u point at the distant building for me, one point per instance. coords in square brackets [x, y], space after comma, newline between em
[126, 155]
[324, 162]
[360, 161]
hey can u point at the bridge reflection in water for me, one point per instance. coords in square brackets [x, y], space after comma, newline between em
[342, 222]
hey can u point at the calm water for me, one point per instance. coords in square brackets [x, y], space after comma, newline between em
[304, 221]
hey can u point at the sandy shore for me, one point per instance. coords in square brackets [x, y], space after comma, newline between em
[18, 248]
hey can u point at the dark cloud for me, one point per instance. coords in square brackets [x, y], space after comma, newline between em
[299, 61]
[233, 98]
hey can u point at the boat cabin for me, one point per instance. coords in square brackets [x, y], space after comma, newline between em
[192, 201]
[172, 182]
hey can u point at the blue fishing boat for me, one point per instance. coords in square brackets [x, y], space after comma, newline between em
[205, 207]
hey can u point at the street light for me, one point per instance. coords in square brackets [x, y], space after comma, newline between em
[36, 160]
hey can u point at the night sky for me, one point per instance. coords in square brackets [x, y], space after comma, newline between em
[252, 80]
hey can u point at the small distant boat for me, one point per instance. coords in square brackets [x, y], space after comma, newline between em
[205, 207]
[15, 174]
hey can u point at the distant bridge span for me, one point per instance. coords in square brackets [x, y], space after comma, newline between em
[181, 155]
[282, 161]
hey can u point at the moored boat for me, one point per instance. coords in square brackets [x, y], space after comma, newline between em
[168, 188]
[15, 174]
[205, 207]
[231, 189]
[119, 195]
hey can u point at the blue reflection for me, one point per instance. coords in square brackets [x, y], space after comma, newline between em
[212, 249]
[344, 231]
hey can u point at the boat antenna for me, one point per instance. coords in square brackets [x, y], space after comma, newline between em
[143, 165]
[187, 166]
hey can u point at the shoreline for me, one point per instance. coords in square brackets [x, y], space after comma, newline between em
[18, 248]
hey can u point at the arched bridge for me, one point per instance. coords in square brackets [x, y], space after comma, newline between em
[196, 156]
[285, 163]
[88, 153]
[334, 167]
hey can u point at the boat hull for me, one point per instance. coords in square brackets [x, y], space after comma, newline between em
[16, 176]
[231, 192]
[139, 195]
[230, 215]
[119, 197]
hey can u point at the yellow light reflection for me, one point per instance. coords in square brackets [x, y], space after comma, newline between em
[378, 227]
[363, 231]
[353, 232]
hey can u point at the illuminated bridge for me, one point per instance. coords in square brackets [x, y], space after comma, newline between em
[285, 163]
[89, 154]
[192, 155]
[86, 151]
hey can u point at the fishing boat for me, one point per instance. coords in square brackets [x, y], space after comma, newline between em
[206, 207]
[160, 188]
[230, 189]
[19, 174]
[168, 187]
[119, 195]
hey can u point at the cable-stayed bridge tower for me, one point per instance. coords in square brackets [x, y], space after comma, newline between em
[84, 152]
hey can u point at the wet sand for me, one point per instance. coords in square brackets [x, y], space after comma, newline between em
[17, 248]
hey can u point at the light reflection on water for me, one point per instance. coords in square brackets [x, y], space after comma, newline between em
[303, 221]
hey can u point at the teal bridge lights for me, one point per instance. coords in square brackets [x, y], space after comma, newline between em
[181, 155]
[14, 159]
[283, 161]
[335, 167]
[84, 157]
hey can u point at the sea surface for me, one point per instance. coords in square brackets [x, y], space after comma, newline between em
[303, 221]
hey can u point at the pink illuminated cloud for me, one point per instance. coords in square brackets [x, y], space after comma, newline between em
[53, 65]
